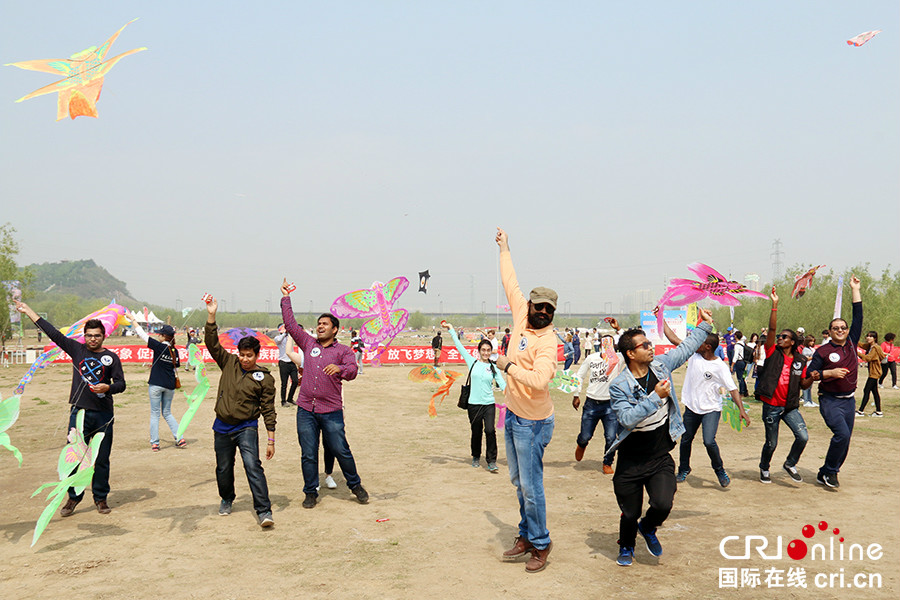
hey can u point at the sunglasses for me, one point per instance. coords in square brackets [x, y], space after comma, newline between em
[782, 336]
[544, 307]
[840, 328]
[646, 345]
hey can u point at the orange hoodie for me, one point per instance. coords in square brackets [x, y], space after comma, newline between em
[533, 351]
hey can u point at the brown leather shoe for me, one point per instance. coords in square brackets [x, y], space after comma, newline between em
[608, 470]
[538, 560]
[102, 507]
[520, 548]
[68, 508]
[579, 452]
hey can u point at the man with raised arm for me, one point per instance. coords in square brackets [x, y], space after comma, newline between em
[835, 367]
[246, 391]
[530, 364]
[647, 408]
[96, 375]
[320, 403]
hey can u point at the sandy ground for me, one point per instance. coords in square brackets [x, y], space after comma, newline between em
[447, 522]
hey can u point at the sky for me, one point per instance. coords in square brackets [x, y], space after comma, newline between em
[340, 143]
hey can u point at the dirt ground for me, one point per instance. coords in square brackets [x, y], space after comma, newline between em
[447, 523]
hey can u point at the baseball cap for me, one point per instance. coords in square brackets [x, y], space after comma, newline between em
[543, 294]
[167, 330]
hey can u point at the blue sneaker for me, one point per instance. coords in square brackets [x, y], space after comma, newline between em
[653, 544]
[626, 556]
[724, 479]
[682, 475]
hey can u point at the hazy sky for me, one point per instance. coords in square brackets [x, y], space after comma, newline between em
[338, 143]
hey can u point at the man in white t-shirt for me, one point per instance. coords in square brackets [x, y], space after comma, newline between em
[705, 376]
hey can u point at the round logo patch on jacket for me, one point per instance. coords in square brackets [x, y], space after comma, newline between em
[834, 357]
[523, 343]
[315, 352]
[258, 375]
[106, 359]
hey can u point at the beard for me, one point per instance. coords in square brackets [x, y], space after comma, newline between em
[539, 320]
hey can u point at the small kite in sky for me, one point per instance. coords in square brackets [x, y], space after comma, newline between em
[9, 412]
[83, 77]
[375, 303]
[802, 282]
[862, 38]
[75, 469]
[712, 285]
[504, 307]
[424, 276]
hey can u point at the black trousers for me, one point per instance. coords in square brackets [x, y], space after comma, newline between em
[871, 387]
[288, 370]
[481, 418]
[885, 367]
[658, 476]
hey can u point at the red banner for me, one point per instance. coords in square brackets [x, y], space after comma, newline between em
[392, 355]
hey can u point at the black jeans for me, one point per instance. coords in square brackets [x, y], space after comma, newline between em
[481, 418]
[658, 476]
[871, 386]
[247, 440]
[287, 370]
[892, 367]
[95, 422]
[740, 368]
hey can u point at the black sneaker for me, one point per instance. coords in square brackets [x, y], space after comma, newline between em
[764, 476]
[793, 472]
[361, 494]
[831, 480]
[310, 501]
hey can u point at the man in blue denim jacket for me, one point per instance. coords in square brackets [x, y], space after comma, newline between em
[646, 407]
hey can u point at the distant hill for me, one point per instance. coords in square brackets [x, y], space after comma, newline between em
[82, 278]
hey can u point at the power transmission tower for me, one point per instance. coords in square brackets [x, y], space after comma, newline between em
[777, 264]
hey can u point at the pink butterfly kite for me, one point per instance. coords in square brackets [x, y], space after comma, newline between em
[375, 303]
[712, 285]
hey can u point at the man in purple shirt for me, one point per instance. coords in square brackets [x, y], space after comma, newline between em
[835, 366]
[320, 404]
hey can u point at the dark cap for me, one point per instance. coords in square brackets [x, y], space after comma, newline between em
[167, 330]
[543, 294]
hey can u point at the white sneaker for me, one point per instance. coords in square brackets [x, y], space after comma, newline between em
[895, 388]
[329, 482]
[860, 413]
[880, 386]
[877, 413]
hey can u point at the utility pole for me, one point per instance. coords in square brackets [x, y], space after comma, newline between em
[777, 264]
[472, 293]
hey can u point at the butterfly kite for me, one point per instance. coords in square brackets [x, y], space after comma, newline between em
[376, 304]
[195, 359]
[429, 374]
[9, 412]
[802, 282]
[565, 381]
[111, 316]
[730, 413]
[712, 285]
[83, 77]
[424, 276]
[75, 468]
[862, 38]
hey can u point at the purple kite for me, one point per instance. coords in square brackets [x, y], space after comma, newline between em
[376, 304]
[712, 285]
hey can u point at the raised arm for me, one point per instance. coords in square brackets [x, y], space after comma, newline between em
[138, 330]
[299, 335]
[514, 297]
[211, 335]
[856, 321]
[773, 321]
[462, 350]
[677, 357]
[670, 335]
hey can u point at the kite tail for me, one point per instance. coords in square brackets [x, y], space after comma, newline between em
[441, 393]
[45, 517]
[5, 442]
[501, 415]
[43, 360]
[195, 398]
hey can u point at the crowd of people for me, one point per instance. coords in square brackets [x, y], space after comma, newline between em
[628, 387]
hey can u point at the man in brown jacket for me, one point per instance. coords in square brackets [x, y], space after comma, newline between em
[246, 390]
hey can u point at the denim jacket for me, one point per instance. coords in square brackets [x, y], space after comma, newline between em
[632, 404]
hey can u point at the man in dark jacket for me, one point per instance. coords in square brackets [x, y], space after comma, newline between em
[96, 376]
[246, 391]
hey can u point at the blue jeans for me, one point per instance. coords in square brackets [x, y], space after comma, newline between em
[96, 421]
[525, 443]
[592, 413]
[247, 439]
[772, 417]
[161, 401]
[692, 422]
[334, 438]
[839, 415]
